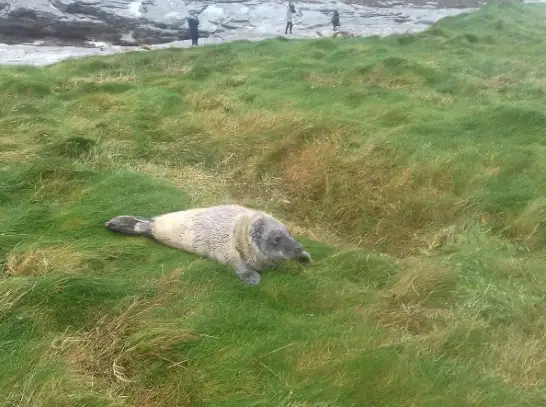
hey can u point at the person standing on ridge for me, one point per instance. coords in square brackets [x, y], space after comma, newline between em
[335, 20]
[193, 24]
[290, 10]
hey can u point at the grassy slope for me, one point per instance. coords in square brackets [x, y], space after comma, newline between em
[426, 151]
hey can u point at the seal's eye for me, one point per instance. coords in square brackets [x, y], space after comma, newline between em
[276, 239]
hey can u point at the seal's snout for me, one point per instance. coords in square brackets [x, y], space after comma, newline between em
[301, 255]
[304, 257]
[129, 225]
[294, 249]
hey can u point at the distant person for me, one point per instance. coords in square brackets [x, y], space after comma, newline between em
[290, 10]
[193, 24]
[335, 20]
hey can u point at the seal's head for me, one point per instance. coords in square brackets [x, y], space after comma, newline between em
[275, 241]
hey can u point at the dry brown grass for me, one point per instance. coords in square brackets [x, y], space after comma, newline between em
[79, 125]
[215, 114]
[101, 103]
[160, 397]
[203, 187]
[55, 187]
[308, 404]
[15, 148]
[500, 80]
[110, 354]
[34, 392]
[322, 80]
[321, 356]
[519, 358]
[438, 239]
[441, 99]
[419, 301]
[377, 77]
[535, 78]
[11, 295]
[41, 261]
[348, 193]
[526, 225]
[104, 78]
[108, 154]
[8, 156]
[211, 102]
[302, 169]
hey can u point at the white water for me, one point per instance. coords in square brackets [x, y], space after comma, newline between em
[134, 8]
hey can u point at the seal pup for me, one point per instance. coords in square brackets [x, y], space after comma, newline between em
[248, 240]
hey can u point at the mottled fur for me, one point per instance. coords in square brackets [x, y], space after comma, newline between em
[246, 239]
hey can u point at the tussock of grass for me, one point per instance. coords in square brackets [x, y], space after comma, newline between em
[411, 167]
[418, 301]
[41, 261]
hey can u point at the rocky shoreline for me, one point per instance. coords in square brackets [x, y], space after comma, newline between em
[41, 32]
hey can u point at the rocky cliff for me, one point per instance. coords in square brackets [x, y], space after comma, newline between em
[127, 22]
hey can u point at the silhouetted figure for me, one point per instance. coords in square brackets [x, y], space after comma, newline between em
[193, 24]
[335, 20]
[291, 10]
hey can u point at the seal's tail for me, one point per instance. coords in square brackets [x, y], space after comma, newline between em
[130, 225]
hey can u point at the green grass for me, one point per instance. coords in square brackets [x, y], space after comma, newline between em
[412, 167]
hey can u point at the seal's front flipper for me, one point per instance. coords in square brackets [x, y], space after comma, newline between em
[248, 274]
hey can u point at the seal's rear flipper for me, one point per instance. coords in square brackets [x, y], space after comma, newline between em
[130, 225]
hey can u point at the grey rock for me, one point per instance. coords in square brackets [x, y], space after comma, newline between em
[41, 32]
[425, 22]
[114, 21]
[137, 22]
[344, 34]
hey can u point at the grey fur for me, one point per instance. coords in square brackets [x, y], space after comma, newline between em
[248, 240]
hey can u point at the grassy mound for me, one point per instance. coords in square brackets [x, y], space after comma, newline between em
[412, 167]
